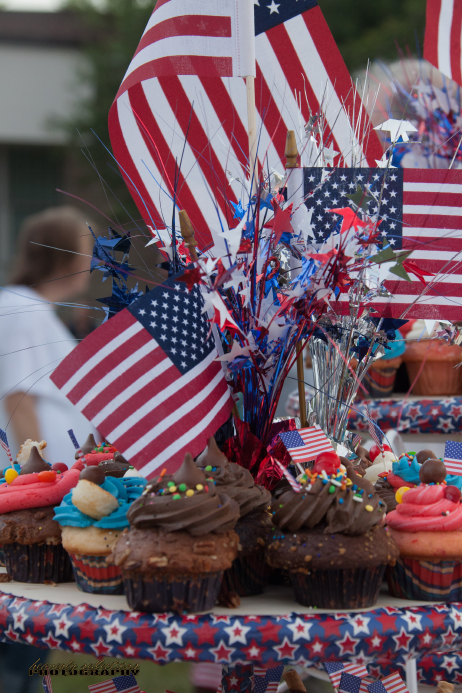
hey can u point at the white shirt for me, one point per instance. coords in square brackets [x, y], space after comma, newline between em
[33, 342]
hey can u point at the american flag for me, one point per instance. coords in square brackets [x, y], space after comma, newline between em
[356, 441]
[306, 443]
[442, 46]
[4, 444]
[453, 457]
[119, 684]
[267, 680]
[291, 479]
[148, 380]
[375, 432]
[160, 102]
[390, 684]
[420, 210]
[352, 683]
[336, 669]
[46, 683]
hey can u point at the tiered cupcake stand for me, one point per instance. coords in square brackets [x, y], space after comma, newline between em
[422, 640]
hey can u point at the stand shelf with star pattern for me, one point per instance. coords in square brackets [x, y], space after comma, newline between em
[268, 630]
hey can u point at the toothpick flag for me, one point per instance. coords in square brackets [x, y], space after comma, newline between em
[119, 684]
[148, 380]
[291, 479]
[390, 684]
[350, 683]
[306, 443]
[336, 669]
[453, 457]
[46, 683]
[4, 444]
[267, 680]
[182, 100]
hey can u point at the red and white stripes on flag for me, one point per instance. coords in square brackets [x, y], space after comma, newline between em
[393, 683]
[336, 669]
[305, 444]
[443, 30]
[432, 229]
[152, 398]
[155, 108]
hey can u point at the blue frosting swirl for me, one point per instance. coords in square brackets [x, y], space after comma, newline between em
[408, 470]
[126, 490]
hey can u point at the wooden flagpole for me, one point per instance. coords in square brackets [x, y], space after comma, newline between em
[252, 129]
[187, 233]
[292, 161]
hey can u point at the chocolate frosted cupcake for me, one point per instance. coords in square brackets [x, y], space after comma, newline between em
[249, 573]
[330, 539]
[180, 541]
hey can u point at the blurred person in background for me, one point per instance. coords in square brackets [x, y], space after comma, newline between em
[52, 267]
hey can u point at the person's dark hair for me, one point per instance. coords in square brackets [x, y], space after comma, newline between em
[58, 227]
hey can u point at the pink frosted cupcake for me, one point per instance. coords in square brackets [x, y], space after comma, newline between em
[427, 526]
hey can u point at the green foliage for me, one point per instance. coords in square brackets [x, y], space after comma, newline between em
[368, 30]
[115, 27]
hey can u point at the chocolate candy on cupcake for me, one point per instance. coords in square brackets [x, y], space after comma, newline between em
[330, 538]
[249, 573]
[180, 541]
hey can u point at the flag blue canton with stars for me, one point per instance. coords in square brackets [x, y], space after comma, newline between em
[270, 15]
[376, 687]
[272, 676]
[350, 683]
[341, 182]
[173, 317]
[123, 683]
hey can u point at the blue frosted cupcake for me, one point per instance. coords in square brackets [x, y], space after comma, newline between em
[92, 517]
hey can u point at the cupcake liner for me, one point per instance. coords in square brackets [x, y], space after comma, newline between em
[38, 563]
[93, 574]
[426, 580]
[380, 383]
[2, 557]
[338, 589]
[437, 378]
[247, 576]
[179, 593]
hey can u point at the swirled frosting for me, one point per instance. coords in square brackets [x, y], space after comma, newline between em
[235, 481]
[125, 490]
[340, 504]
[407, 470]
[186, 501]
[426, 508]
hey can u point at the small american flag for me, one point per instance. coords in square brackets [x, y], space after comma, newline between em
[148, 380]
[46, 683]
[71, 435]
[335, 670]
[453, 457]
[4, 444]
[305, 444]
[356, 441]
[442, 46]
[291, 479]
[376, 433]
[390, 684]
[267, 680]
[119, 684]
[350, 683]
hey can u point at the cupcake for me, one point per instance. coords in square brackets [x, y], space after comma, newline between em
[403, 472]
[433, 361]
[330, 538]
[180, 541]
[30, 536]
[427, 527]
[380, 377]
[249, 573]
[92, 517]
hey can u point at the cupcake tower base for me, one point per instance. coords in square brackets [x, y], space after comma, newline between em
[266, 630]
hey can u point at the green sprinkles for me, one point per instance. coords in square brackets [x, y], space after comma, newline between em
[176, 496]
[332, 489]
[170, 483]
[208, 468]
[182, 487]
